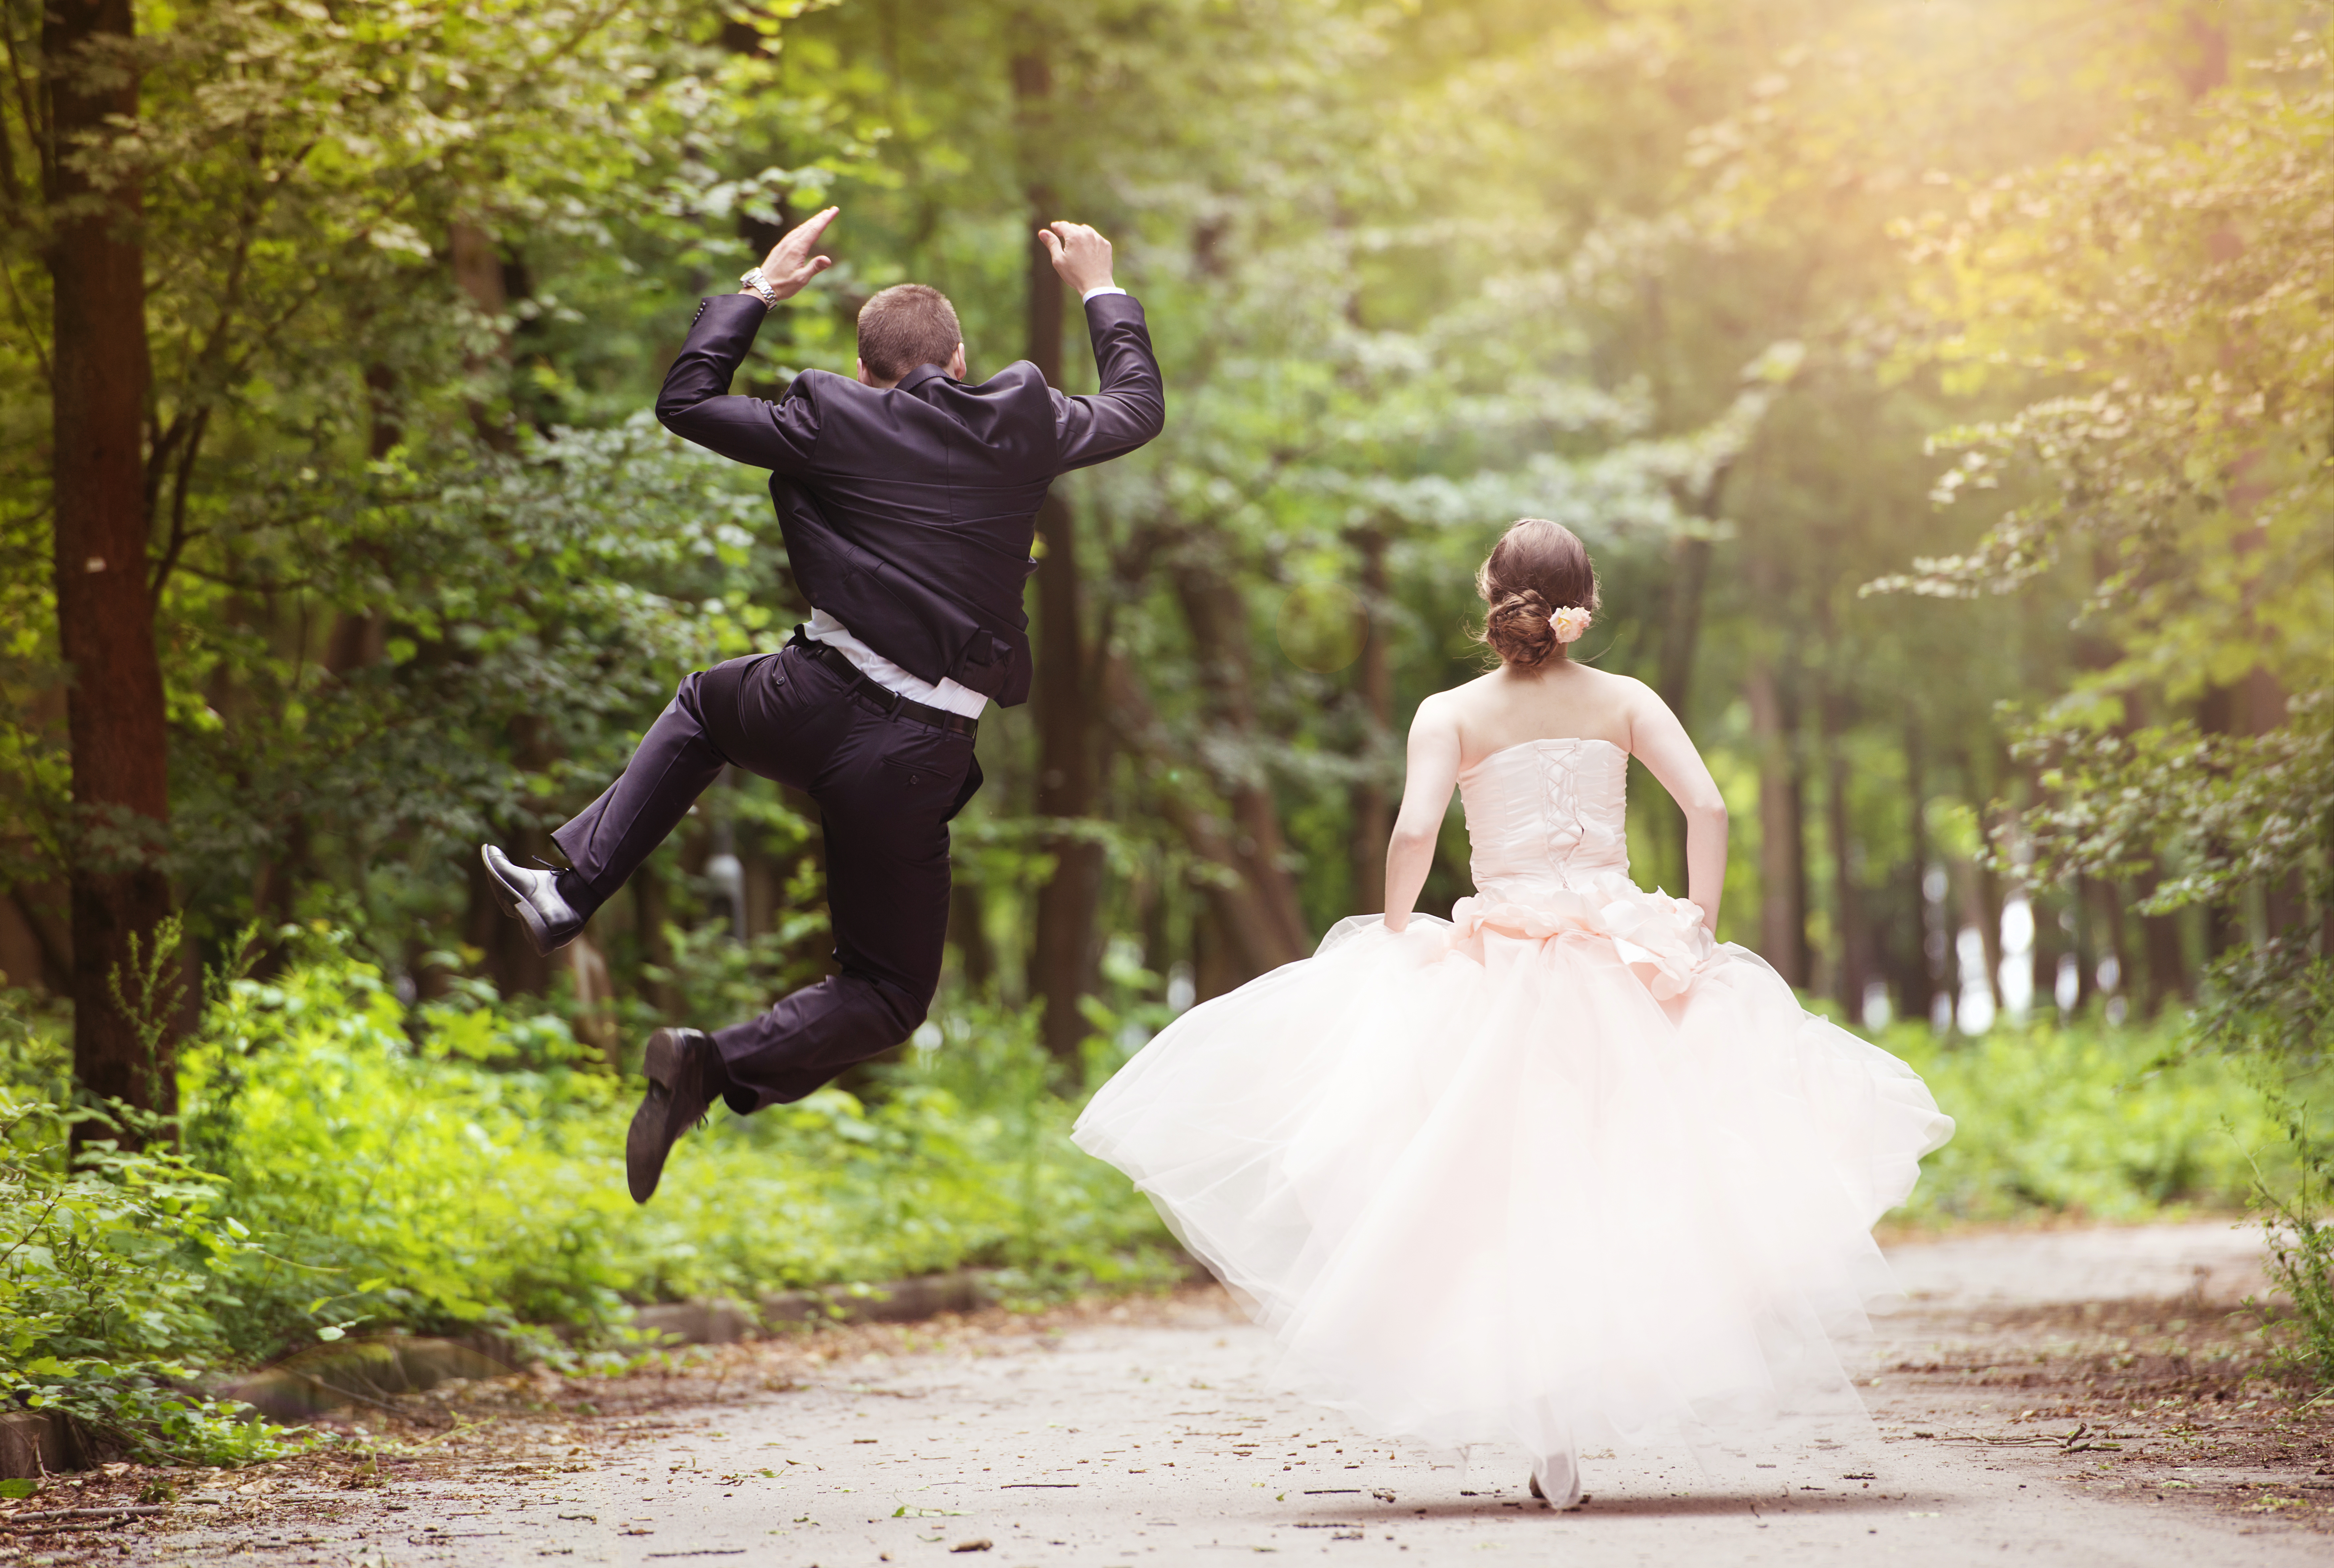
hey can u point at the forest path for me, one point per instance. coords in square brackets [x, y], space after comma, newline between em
[1165, 1442]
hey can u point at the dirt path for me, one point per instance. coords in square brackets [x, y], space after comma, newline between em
[1150, 1433]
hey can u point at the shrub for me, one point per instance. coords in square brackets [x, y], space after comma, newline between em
[2300, 1214]
[461, 1163]
[112, 1271]
[2089, 1120]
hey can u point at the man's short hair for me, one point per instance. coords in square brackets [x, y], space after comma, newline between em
[907, 325]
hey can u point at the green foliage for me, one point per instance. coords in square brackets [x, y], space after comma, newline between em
[2300, 1216]
[2088, 1120]
[462, 1163]
[116, 1271]
[386, 545]
[2157, 307]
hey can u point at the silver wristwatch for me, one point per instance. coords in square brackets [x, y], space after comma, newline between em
[754, 280]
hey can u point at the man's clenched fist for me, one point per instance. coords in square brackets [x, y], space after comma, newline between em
[1080, 254]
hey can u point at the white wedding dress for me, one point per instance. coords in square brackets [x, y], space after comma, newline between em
[1558, 1172]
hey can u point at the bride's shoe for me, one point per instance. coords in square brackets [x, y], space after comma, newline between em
[1565, 1481]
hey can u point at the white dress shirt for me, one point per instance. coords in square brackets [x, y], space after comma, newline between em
[948, 694]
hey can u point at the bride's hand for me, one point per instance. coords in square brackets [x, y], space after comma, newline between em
[1398, 924]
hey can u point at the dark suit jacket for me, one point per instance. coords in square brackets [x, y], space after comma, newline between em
[908, 512]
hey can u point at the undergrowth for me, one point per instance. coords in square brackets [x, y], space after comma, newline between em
[114, 1271]
[2300, 1219]
[2089, 1121]
[2097, 1123]
[460, 1163]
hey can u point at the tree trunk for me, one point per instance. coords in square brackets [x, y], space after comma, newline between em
[115, 715]
[477, 268]
[41, 950]
[1217, 617]
[360, 637]
[976, 954]
[2168, 980]
[1239, 934]
[651, 911]
[1373, 802]
[1853, 961]
[2262, 706]
[2222, 712]
[1216, 968]
[510, 960]
[1985, 912]
[1063, 963]
[2107, 908]
[1782, 853]
[1681, 633]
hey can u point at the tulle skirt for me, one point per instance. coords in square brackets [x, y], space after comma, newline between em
[1486, 1186]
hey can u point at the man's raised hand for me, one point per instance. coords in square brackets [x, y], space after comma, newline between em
[790, 263]
[1080, 254]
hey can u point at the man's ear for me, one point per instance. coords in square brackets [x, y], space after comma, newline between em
[955, 363]
[865, 379]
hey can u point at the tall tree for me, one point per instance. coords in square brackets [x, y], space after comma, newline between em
[1062, 964]
[98, 385]
[1373, 801]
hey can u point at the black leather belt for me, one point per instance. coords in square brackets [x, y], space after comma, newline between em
[883, 696]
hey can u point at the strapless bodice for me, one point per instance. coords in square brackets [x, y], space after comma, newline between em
[1546, 816]
[1548, 822]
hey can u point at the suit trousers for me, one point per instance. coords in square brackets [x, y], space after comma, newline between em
[886, 785]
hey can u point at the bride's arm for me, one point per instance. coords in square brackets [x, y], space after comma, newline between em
[1660, 742]
[1432, 771]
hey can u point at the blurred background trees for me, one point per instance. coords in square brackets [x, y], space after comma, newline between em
[332, 328]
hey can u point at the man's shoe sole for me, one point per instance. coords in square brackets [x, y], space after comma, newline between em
[518, 909]
[645, 1145]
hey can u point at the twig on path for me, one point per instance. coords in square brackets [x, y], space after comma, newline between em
[2080, 1441]
[124, 1510]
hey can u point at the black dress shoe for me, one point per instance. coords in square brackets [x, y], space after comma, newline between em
[685, 1077]
[533, 898]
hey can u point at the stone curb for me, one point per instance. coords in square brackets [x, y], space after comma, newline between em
[34, 1443]
[321, 1379]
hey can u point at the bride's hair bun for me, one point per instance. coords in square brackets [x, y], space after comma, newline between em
[1541, 590]
[1520, 627]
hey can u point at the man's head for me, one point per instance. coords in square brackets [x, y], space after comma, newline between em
[907, 325]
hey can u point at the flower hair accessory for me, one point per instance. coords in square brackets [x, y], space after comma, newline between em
[1569, 623]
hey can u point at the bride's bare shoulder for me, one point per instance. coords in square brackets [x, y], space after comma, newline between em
[1435, 710]
[1625, 690]
[1607, 678]
[1454, 700]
